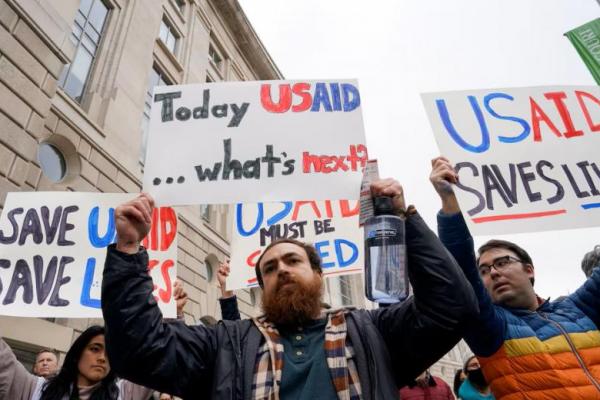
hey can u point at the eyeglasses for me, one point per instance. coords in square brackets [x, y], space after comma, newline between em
[498, 264]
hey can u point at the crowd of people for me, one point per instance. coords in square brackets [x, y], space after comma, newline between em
[524, 347]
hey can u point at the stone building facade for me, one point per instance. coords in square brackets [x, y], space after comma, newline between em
[75, 78]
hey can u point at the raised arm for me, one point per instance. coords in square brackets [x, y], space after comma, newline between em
[16, 383]
[587, 297]
[170, 357]
[228, 300]
[485, 332]
[420, 330]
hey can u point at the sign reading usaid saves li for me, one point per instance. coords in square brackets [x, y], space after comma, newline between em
[528, 159]
[331, 226]
[235, 142]
[53, 247]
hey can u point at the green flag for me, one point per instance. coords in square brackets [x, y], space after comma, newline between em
[586, 40]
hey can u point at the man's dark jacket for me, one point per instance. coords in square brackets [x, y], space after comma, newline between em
[392, 345]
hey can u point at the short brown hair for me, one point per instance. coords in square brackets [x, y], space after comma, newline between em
[311, 253]
[505, 244]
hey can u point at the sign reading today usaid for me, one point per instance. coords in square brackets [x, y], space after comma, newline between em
[264, 141]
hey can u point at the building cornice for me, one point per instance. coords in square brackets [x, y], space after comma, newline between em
[246, 38]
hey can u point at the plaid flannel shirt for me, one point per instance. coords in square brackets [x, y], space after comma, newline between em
[338, 352]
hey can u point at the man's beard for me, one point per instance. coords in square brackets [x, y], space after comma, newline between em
[294, 304]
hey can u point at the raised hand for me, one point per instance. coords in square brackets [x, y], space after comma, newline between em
[133, 220]
[222, 274]
[442, 177]
[180, 296]
[391, 188]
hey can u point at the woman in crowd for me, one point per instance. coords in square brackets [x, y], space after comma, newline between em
[474, 387]
[85, 375]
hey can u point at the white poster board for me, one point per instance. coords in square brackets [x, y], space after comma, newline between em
[331, 226]
[53, 247]
[230, 142]
[528, 159]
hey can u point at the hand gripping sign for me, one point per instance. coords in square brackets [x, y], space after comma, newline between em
[528, 159]
[224, 143]
[53, 247]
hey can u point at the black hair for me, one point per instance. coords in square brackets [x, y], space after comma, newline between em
[457, 380]
[505, 244]
[65, 382]
[311, 253]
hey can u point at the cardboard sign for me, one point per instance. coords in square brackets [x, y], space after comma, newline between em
[331, 226]
[53, 247]
[528, 159]
[230, 142]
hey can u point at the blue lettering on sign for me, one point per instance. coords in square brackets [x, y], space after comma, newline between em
[108, 238]
[485, 135]
[239, 214]
[340, 255]
[88, 278]
[506, 139]
[321, 97]
[338, 245]
[324, 254]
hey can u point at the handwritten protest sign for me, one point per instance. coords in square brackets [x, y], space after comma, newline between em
[331, 226]
[235, 142]
[528, 158]
[53, 247]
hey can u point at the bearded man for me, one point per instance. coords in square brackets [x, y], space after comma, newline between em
[295, 350]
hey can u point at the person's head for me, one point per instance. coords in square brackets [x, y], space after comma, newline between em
[507, 273]
[165, 396]
[290, 274]
[472, 370]
[424, 379]
[590, 261]
[85, 364]
[208, 320]
[46, 363]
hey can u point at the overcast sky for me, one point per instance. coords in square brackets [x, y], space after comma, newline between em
[399, 49]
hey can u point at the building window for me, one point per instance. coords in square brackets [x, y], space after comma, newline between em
[205, 210]
[157, 78]
[24, 354]
[214, 57]
[52, 161]
[346, 290]
[180, 5]
[168, 36]
[206, 270]
[86, 34]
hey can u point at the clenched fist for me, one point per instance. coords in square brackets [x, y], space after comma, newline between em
[133, 220]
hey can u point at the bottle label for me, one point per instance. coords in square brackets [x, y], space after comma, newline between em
[389, 276]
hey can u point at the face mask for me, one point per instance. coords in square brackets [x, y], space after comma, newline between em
[477, 378]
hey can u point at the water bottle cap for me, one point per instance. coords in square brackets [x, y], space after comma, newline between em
[383, 205]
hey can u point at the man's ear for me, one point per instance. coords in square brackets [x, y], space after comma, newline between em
[530, 270]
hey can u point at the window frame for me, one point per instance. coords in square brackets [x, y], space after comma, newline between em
[172, 32]
[162, 76]
[81, 36]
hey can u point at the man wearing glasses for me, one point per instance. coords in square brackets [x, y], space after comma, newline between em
[528, 348]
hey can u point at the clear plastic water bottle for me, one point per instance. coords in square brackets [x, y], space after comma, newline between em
[386, 276]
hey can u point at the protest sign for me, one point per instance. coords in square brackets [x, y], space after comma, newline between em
[53, 247]
[331, 226]
[230, 142]
[528, 158]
